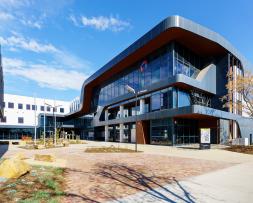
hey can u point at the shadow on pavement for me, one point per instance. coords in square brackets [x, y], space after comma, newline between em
[3, 149]
[134, 179]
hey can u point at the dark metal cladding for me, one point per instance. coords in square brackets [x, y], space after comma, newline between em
[166, 25]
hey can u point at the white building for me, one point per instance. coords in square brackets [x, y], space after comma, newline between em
[22, 112]
[74, 105]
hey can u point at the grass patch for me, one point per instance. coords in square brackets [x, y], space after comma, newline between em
[42, 184]
[110, 149]
[241, 149]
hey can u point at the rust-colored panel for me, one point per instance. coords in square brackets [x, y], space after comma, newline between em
[142, 132]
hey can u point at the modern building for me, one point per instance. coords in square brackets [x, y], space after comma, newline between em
[175, 75]
[22, 114]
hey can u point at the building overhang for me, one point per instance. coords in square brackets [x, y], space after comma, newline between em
[199, 39]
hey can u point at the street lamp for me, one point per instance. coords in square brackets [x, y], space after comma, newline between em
[132, 90]
[54, 117]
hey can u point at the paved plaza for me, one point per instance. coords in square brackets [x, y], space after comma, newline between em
[156, 174]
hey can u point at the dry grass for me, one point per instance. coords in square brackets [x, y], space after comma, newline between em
[110, 149]
[241, 149]
[42, 184]
[77, 142]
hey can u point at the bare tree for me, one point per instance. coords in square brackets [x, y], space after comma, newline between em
[240, 93]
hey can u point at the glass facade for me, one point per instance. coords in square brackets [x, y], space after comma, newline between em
[15, 133]
[161, 132]
[158, 66]
[169, 98]
[166, 62]
[186, 131]
[186, 62]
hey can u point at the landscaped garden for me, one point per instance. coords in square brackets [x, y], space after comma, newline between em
[41, 184]
[241, 149]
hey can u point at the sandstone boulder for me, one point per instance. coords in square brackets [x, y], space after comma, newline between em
[13, 168]
[44, 157]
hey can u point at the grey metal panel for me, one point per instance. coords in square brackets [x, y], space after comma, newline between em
[245, 124]
[166, 24]
[16, 126]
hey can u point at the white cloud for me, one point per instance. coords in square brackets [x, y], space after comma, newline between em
[61, 57]
[5, 16]
[14, 3]
[32, 24]
[17, 41]
[101, 23]
[45, 75]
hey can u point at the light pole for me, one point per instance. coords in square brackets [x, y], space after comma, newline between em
[130, 89]
[44, 123]
[35, 127]
[54, 117]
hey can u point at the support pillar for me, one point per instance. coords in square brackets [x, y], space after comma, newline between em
[121, 132]
[106, 133]
[142, 106]
[121, 111]
[106, 115]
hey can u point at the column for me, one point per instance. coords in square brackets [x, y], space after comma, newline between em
[106, 133]
[106, 115]
[121, 132]
[121, 111]
[142, 106]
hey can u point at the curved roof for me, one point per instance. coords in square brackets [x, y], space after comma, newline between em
[167, 25]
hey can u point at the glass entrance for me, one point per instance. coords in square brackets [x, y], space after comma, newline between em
[186, 131]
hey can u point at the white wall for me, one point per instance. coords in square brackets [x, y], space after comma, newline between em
[28, 115]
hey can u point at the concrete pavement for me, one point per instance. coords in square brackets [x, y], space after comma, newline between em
[233, 184]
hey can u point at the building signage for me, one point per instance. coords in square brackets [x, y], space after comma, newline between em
[205, 138]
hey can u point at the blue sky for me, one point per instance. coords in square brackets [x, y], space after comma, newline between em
[50, 47]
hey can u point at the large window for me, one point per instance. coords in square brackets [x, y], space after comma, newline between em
[3, 120]
[162, 99]
[10, 105]
[161, 131]
[183, 99]
[20, 106]
[156, 101]
[28, 106]
[152, 69]
[48, 108]
[186, 62]
[20, 120]
[186, 131]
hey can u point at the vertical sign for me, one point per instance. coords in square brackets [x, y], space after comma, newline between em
[205, 138]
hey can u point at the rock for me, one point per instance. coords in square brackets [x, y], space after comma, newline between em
[44, 157]
[65, 143]
[19, 156]
[13, 168]
[39, 146]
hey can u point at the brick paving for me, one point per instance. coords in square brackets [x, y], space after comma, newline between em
[109, 176]
[106, 177]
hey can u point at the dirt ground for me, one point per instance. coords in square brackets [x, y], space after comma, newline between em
[241, 149]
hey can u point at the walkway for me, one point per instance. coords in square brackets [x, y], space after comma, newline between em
[233, 184]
